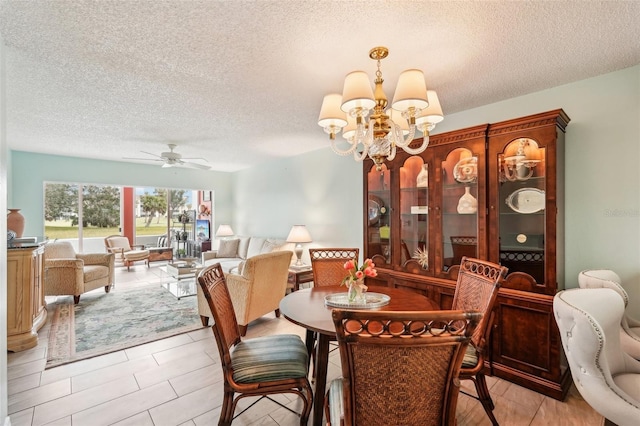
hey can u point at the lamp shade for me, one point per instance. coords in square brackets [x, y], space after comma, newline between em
[357, 92]
[433, 113]
[411, 91]
[299, 234]
[330, 112]
[224, 231]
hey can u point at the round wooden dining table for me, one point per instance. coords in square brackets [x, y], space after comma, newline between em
[307, 309]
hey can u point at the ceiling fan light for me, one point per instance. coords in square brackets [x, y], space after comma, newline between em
[411, 91]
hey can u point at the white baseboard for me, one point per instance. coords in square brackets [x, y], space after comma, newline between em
[7, 421]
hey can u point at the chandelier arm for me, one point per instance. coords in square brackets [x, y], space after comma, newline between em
[343, 152]
[400, 140]
[360, 156]
[392, 153]
[365, 141]
[360, 134]
[421, 148]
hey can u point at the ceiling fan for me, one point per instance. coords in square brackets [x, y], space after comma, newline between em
[172, 159]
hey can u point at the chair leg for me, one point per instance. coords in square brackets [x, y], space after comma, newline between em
[205, 320]
[243, 330]
[76, 299]
[277, 311]
[485, 397]
[226, 414]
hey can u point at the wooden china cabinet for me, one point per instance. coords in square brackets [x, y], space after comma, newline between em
[495, 192]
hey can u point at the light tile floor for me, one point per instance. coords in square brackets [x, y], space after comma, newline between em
[177, 381]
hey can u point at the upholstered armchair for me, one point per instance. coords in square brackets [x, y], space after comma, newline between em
[119, 245]
[256, 290]
[629, 326]
[69, 273]
[607, 378]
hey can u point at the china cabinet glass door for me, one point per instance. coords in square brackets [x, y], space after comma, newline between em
[414, 210]
[378, 227]
[521, 204]
[459, 210]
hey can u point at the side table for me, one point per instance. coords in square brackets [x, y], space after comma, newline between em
[299, 276]
[183, 283]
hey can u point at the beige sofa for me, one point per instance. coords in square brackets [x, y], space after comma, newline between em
[256, 290]
[232, 252]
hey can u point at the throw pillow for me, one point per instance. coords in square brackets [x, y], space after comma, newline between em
[228, 248]
[270, 246]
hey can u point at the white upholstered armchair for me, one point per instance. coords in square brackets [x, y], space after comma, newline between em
[256, 289]
[606, 377]
[629, 327]
[69, 273]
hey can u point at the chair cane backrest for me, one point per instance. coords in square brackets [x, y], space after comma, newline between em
[328, 264]
[225, 327]
[402, 367]
[477, 289]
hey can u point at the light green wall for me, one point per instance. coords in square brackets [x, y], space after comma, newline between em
[324, 191]
[30, 170]
[319, 189]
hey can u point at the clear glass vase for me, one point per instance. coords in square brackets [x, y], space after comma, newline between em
[357, 291]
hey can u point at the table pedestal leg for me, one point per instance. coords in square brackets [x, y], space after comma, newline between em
[322, 362]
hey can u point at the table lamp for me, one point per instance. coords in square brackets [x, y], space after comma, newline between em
[298, 235]
[224, 231]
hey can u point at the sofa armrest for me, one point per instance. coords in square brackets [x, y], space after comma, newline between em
[96, 258]
[63, 263]
[208, 255]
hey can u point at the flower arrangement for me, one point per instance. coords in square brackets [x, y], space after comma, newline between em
[355, 278]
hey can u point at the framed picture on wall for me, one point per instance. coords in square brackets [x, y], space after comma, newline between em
[206, 195]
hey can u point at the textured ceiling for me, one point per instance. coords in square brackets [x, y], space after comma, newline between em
[241, 82]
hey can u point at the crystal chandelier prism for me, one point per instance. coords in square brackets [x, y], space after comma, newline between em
[370, 129]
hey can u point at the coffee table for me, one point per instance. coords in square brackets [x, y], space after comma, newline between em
[182, 279]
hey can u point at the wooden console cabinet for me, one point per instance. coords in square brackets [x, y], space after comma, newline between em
[494, 192]
[26, 312]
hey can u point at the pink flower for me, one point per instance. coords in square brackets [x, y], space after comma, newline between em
[370, 272]
[349, 265]
[358, 273]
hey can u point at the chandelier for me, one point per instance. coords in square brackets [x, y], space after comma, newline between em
[368, 126]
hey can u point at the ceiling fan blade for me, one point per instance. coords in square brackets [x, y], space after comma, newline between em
[195, 165]
[142, 159]
[151, 153]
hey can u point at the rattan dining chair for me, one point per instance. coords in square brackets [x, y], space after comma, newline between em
[328, 269]
[398, 368]
[260, 366]
[477, 289]
[328, 264]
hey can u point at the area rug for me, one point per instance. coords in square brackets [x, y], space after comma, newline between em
[107, 322]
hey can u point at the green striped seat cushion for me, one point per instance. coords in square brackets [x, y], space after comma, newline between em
[336, 407]
[269, 358]
[470, 357]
